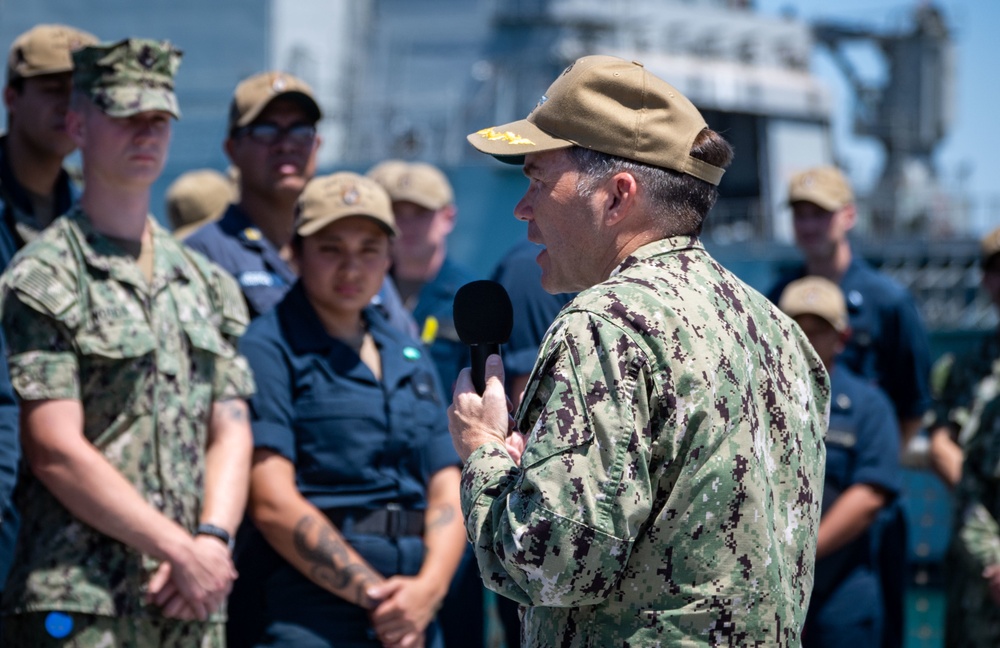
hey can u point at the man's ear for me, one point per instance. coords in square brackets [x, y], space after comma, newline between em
[9, 95]
[448, 214]
[227, 146]
[850, 216]
[621, 197]
[75, 127]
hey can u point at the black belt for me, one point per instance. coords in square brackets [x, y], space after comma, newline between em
[392, 521]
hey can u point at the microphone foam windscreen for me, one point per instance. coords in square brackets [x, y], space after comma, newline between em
[483, 313]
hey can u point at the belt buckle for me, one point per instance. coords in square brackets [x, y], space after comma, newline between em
[393, 520]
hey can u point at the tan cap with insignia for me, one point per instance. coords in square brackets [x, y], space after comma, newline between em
[252, 96]
[45, 49]
[815, 296]
[825, 186]
[384, 172]
[329, 198]
[197, 197]
[610, 105]
[419, 183]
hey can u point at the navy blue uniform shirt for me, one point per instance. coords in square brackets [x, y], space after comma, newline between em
[888, 343]
[356, 442]
[436, 299]
[243, 251]
[10, 454]
[862, 447]
[14, 197]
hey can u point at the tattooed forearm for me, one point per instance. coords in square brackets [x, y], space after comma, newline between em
[233, 409]
[330, 561]
[439, 516]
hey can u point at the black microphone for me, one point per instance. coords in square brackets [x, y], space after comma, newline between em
[484, 317]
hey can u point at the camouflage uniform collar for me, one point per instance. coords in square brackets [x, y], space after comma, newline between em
[657, 248]
[101, 253]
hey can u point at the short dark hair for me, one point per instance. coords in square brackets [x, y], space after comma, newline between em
[680, 202]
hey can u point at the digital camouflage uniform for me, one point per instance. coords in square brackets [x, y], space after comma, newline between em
[973, 619]
[147, 362]
[669, 493]
[146, 359]
[963, 386]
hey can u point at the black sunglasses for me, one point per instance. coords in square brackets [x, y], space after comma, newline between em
[266, 133]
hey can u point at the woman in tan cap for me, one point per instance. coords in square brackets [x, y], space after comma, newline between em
[354, 480]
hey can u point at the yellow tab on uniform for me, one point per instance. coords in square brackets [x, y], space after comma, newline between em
[429, 334]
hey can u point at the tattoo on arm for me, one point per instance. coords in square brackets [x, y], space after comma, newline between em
[234, 410]
[330, 561]
[439, 516]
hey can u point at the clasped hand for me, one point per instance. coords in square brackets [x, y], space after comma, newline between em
[196, 583]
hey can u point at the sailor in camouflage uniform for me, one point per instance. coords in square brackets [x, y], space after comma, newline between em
[669, 490]
[964, 385]
[973, 617]
[966, 425]
[134, 426]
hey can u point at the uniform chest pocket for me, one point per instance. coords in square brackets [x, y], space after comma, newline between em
[115, 358]
[338, 438]
[117, 341]
[417, 405]
[203, 336]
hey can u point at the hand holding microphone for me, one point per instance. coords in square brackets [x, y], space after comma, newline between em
[483, 319]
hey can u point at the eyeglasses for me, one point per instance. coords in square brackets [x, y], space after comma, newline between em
[268, 134]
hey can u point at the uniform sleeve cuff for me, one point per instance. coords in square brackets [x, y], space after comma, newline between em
[233, 379]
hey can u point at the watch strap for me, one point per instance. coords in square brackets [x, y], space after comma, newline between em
[216, 532]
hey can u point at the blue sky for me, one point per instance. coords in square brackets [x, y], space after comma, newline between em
[974, 142]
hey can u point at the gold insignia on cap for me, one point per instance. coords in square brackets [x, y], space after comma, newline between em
[509, 137]
[350, 196]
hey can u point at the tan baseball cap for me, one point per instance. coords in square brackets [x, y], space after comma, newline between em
[815, 296]
[329, 198]
[45, 49]
[252, 96]
[825, 186]
[989, 246]
[384, 172]
[197, 197]
[419, 183]
[610, 105]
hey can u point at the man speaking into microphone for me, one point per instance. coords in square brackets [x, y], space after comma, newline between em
[669, 488]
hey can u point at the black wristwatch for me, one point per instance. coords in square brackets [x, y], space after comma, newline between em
[216, 532]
